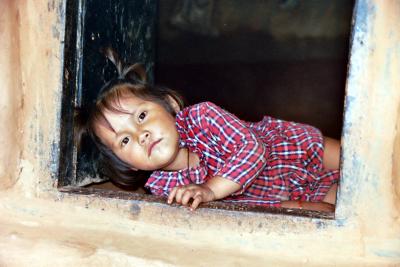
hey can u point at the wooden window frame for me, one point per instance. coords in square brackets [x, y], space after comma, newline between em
[359, 46]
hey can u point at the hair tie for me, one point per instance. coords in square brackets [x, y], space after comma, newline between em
[135, 73]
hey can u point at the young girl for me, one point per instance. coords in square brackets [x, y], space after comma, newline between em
[203, 153]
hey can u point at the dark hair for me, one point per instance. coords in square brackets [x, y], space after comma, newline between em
[131, 80]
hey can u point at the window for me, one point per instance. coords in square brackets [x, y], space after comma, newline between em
[286, 59]
[128, 26]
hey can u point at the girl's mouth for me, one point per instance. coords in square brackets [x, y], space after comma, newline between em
[152, 145]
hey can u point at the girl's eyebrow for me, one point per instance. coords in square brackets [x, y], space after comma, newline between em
[109, 125]
[102, 120]
[106, 122]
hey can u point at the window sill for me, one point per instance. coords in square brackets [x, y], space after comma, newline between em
[218, 205]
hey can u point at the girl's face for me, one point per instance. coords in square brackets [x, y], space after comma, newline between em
[144, 135]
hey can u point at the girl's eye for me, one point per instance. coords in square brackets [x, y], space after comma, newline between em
[142, 115]
[125, 141]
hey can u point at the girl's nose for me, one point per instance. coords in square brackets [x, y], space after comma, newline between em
[144, 137]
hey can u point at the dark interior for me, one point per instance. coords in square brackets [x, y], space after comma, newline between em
[287, 59]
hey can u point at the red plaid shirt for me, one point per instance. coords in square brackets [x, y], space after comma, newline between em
[272, 160]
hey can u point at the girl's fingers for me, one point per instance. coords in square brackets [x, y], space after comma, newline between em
[196, 201]
[179, 193]
[183, 195]
[172, 194]
[186, 196]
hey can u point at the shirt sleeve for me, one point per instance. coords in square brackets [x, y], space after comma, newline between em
[160, 183]
[244, 154]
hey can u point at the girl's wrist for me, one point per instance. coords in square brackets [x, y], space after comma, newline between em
[211, 195]
[222, 187]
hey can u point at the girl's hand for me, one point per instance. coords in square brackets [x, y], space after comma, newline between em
[198, 192]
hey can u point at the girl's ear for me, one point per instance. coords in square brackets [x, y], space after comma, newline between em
[173, 103]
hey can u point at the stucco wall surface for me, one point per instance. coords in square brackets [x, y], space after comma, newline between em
[11, 102]
[40, 226]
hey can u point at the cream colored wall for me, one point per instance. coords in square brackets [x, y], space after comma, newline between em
[40, 226]
[11, 101]
[396, 160]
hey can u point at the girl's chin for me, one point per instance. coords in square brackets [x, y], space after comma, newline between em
[159, 163]
[165, 158]
[168, 164]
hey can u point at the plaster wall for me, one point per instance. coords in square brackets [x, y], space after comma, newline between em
[11, 102]
[40, 226]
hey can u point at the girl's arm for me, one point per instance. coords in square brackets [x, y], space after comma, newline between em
[244, 156]
[243, 153]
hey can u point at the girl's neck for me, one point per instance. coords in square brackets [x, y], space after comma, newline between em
[184, 159]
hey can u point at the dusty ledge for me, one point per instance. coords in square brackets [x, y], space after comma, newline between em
[102, 193]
